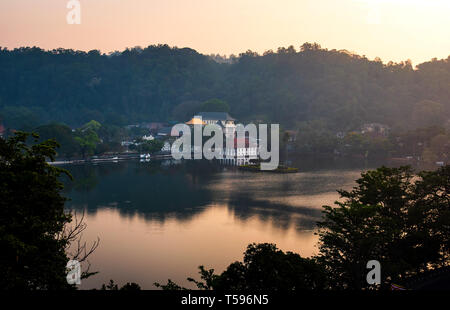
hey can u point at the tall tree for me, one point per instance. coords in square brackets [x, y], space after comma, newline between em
[32, 215]
[35, 230]
[87, 137]
[393, 216]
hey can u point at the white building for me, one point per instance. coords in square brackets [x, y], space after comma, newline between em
[148, 138]
[243, 150]
[215, 117]
[223, 119]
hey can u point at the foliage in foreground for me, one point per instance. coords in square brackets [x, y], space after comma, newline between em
[112, 286]
[34, 228]
[264, 268]
[393, 215]
[397, 217]
[31, 215]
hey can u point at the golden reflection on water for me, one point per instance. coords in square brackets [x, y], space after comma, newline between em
[133, 249]
[158, 226]
[301, 190]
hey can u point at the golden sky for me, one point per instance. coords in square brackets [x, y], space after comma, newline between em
[390, 29]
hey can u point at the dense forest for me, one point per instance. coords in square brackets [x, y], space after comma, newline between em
[291, 86]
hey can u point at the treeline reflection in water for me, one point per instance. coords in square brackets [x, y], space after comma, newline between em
[161, 190]
[162, 219]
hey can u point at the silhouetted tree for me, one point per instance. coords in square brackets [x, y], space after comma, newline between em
[264, 268]
[393, 216]
[35, 230]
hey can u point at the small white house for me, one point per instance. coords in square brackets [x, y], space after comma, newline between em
[148, 138]
[127, 143]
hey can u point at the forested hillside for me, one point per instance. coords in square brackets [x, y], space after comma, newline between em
[290, 86]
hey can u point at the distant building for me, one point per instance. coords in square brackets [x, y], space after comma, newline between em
[242, 152]
[223, 119]
[340, 135]
[127, 143]
[167, 132]
[292, 135]
[375, 129]
[215, 117]
[154, 126]
[148, 138]
[196, 121]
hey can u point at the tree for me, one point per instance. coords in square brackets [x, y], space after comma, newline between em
[393, 216]
[431, 211]
[310, 47]
[19, 117]
[152, 146]
[31, 216]
[440, 145]
[264, 268]
[87, 137]
[92, 125]
[427, 113]
[112, 286]
[215, 105]
[315, 138]
[429, 156]
[61, 133]
[185, 110]
[341, 88]
[35, 230]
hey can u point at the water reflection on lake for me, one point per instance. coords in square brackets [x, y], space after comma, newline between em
[160, 220]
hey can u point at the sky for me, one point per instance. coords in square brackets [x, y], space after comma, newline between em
[394, 30]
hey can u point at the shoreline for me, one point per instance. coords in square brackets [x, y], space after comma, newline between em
[111, 158]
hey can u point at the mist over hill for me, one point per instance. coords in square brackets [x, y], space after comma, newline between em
[289, 86]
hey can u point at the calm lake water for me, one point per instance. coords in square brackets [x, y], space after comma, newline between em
[162, 219]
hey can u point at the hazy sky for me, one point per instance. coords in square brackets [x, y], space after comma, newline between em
[391, 29]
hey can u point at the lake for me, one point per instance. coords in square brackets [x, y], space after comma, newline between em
[162, 219]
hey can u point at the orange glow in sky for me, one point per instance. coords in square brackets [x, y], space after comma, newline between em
[392, 30]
